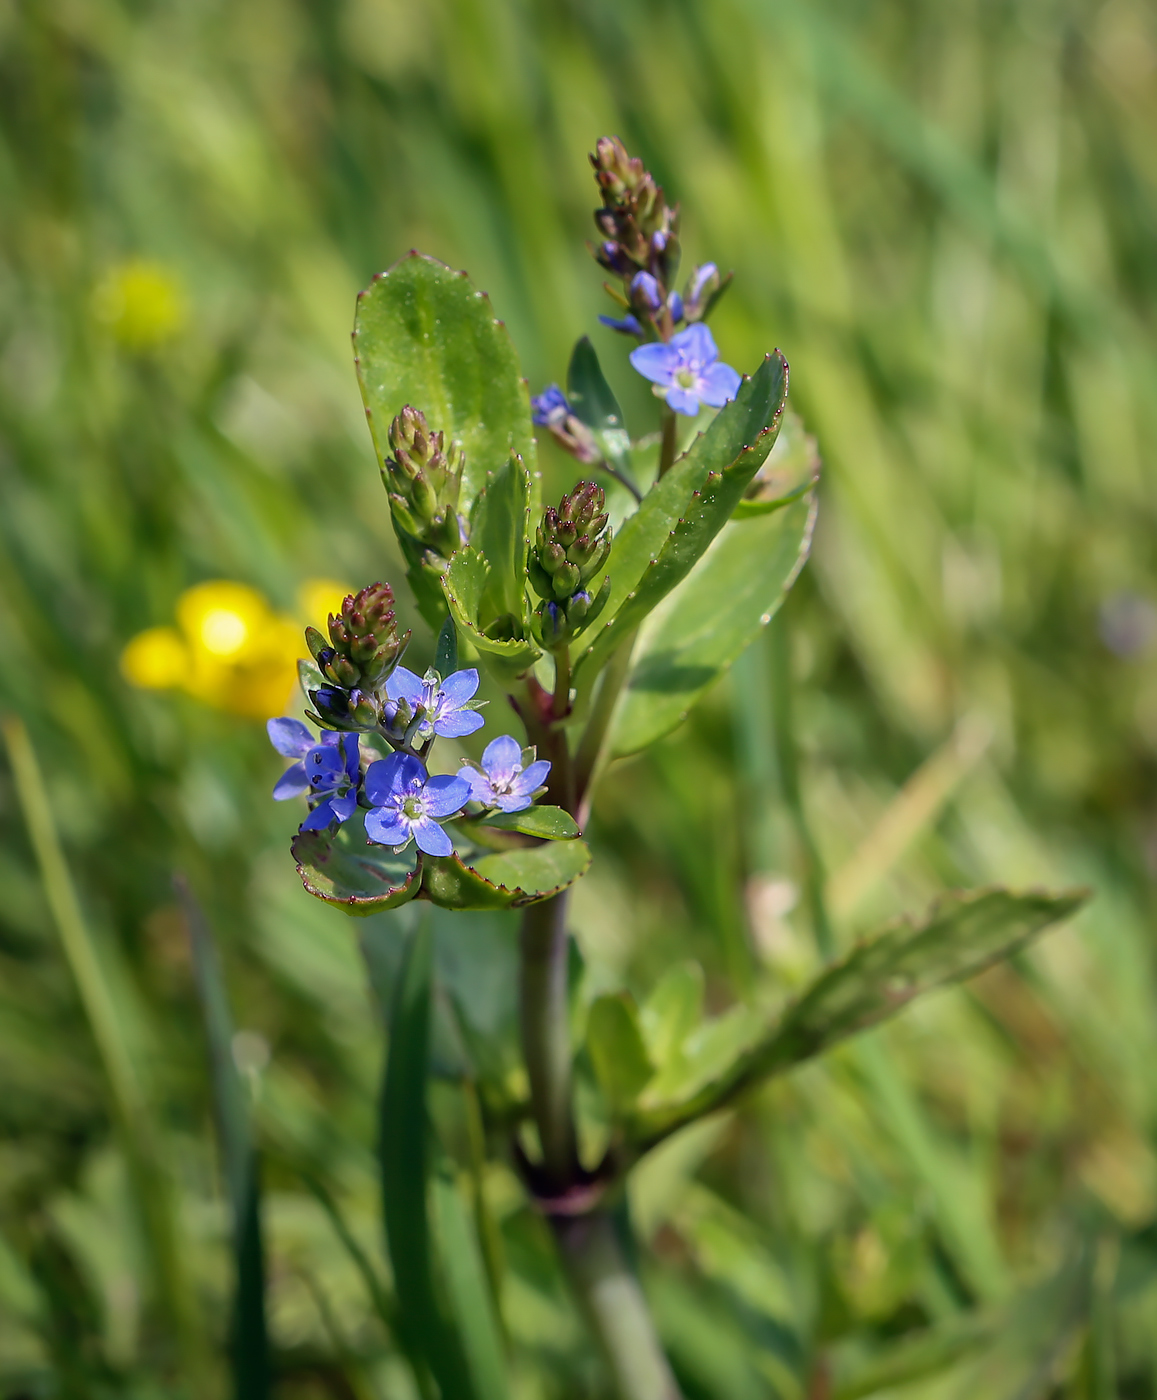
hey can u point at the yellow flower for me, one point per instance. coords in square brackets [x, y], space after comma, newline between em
[230, 649]
[142, 303]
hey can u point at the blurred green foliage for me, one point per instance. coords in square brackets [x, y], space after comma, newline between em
[945, 215]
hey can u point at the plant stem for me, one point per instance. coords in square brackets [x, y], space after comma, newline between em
[622, 478]
[545, 1015]
[669, 441]
[615, 1308]
[591, 750]
[560, 705]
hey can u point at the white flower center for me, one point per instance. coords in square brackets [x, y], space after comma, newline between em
[685, 378]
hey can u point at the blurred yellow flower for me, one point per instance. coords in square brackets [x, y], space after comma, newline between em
[229, 648]
[143, 303]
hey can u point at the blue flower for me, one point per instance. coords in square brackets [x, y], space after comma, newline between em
[409, 803]
[328, 769]
[688, 370]
[502, 781]
[550, 407]
[629, 325]
[428, 705]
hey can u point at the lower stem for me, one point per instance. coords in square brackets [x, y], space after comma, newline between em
[615, 1308]
[545, 1015]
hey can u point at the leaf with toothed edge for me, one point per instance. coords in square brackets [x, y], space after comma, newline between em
[704, 624]
[500, 531]
[683, 512]
[423, 335]
[348, 871]
[508, 880]
[963, 933]
[464, 585]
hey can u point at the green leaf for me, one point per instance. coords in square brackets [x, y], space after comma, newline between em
[348, 871]
[792, 468]
[961, 935]
[506, 880]
[249, 1332]
[705, 623]
[683, 512]
[549, 823]
[403, 1149]
[593, 402]
[500, 531]
[424, 336]
[446, 652]
[672, 1011]
[465, 585]
[615, 1045]
[468, 1295]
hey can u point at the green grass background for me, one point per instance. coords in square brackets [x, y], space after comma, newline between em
[946, 216]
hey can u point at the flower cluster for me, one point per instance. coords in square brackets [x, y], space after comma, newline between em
[423, 480]
[371, 693]
[641, 244]
[570, 547]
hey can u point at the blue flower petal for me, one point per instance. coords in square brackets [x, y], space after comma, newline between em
[292, 783]
[352, 751]
[512, 801]
[458, 722]
[534, 776]
[460, 687]
[657, 363]
[395, 776]
[289, 736]
[500, 758]
[481, 789]
[719, 383]
[629, 325]
[431, 838]
[404, 685]
[324, 768]
[683, 401]
[322, 816]
[697, 344]
[387, 827]
[445, 794]
[343, 807]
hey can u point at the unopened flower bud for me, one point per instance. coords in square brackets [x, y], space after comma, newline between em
[551, 410]
[701, 287]
[646, 294]
[364, 646]
[424, 480]
[571, 544]
[349, 710]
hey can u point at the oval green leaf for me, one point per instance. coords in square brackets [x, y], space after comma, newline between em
[346, 870]
[424, 335]
[507, 880]
[702, 626]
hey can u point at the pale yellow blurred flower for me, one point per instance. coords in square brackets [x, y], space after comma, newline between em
[230, 649]
[143, 303]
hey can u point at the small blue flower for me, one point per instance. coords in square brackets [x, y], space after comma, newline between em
[408, 803]
[328, 769]
[429, 705]
[629, 325]
[503, 782]
[550, 407]
[688, 370]
[675, 306]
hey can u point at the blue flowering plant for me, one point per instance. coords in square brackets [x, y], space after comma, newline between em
[597, 624]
